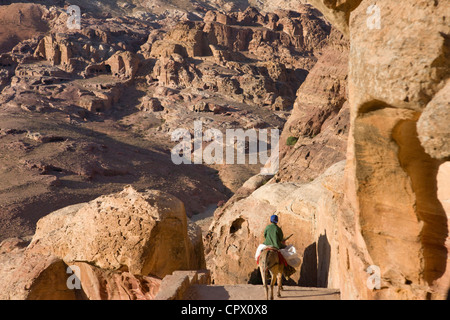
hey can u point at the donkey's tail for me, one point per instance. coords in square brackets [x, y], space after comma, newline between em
[262, 258]
[267, 259]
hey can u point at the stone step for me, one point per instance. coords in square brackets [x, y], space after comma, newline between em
[256, 292]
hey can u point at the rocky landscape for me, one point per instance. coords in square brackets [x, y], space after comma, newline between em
[87, 115]
[78, 105]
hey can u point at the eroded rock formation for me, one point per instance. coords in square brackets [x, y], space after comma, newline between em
[393, 210]
[392, 187]
[315, 135]
[122, 245]
[304, 193]
[308, 211]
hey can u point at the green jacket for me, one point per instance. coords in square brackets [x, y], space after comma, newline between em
[273, 236]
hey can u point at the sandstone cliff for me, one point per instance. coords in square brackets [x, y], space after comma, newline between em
[319, 122]
[393, 213]
[315, 135]
[392, 186]
[308, 211]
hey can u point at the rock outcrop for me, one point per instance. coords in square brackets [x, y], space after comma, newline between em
[392, 190]
[21, 21]
[432, 125]
[129, 230]
[261, 57]
[315, 135]
[308, 211]
[118, 246]
[34, 276]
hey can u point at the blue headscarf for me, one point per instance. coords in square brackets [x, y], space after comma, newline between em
[274, 218]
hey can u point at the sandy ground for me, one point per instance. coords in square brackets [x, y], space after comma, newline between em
[256, 292]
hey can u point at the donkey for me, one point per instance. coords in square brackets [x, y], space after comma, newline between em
[269, 261]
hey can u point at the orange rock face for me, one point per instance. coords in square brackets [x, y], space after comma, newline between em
[117, 247]
[319, 121]
[389, 213]
[392, 216]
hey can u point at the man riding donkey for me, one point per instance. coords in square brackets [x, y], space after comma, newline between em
[274, 256]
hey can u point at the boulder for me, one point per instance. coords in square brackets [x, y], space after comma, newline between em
[30, 275]
[151, 105]
[432, 126]
[142, 233]
[116, 247]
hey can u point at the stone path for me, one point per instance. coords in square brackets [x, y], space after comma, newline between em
[256, 292]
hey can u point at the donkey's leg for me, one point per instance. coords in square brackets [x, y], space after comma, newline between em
[279, 279]
[272, 283]
[264, 280]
